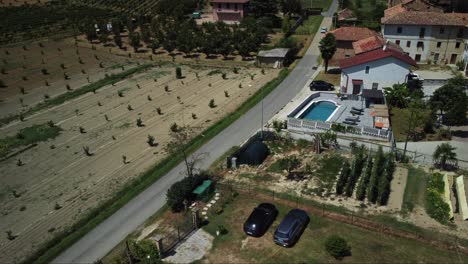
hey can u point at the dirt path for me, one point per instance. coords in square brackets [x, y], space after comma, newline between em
[57, 172]
[397, 188]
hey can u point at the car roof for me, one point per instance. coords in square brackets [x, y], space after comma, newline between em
[267, 206]
[287, 223]
[298, 213]
[257, 215]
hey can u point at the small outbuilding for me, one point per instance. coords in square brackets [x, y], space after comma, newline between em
[276, 58]
[254, 154]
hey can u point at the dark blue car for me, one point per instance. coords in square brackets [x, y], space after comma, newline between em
[260, 219]
[290, 229]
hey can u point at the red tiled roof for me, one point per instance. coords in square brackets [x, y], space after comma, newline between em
[389, 12]
[374, 55]
[368, 44]
[352, 33]
[230, 1]
[427, 18]
[345, 14]
[372, 43]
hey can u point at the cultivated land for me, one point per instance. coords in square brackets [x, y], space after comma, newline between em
[58, 183]
[59, 59]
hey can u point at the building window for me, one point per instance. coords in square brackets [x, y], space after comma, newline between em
[408, 44]
[460, 33]
[457, 45]
[375, 86]
[367, 69]
[439, 44]
[436, 57]
[417, 58]
[397, 42]
[442, 30]
[235, 7]
[228, 5]
[399, 30]
[422, 32]
[420, 44]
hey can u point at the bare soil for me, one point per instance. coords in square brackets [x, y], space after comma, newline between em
[58, 172]
[82, 65]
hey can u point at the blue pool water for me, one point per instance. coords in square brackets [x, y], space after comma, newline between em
[319, 111]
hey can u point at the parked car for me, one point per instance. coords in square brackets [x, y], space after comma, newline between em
[291, 228]
[323, 30]
[321, 86]
[260, 219]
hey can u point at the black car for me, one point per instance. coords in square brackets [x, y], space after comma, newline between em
[321, 86]
[260, 219]
[290, 229]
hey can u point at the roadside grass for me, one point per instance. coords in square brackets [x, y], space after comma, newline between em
[332, 78]
[415, 189]
[310, 26]
[27, 136]
[113, 78]
[366, 246]
[64, 240]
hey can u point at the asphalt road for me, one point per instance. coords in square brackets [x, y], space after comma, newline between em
[97, 243]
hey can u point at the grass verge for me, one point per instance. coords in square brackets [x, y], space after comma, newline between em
[64, 240]
[27, 136]
[113, 78]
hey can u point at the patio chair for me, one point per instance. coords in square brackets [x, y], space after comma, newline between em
[353, 118]
[354, 112]
[349, 122]
[357, 109]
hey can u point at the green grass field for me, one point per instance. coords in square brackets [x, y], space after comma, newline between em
[415, 189]
[400, 118]
[366, 246]
[27, 136]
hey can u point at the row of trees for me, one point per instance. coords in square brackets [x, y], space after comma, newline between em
[185, 36]
[374, 174]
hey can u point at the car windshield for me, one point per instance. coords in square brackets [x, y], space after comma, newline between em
[281, 235]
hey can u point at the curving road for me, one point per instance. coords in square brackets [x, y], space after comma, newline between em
[97, 243]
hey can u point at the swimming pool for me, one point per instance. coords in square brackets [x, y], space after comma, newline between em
[321, 110]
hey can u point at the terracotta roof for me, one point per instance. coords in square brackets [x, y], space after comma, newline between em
[372, 43]
[374, 55]
[345, 14]
[427, 18]
[230, 1]
[389, 12]
[352, 33]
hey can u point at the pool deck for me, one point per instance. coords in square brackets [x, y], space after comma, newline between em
[345, 106]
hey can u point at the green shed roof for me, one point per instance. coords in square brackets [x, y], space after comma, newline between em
[202, 187]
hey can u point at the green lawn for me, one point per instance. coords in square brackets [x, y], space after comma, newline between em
[366, 246]
[28, 135]
[415, 189]
[310, 26]
[329, 167]
[400, 119]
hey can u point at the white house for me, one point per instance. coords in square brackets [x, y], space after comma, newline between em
[374, 69]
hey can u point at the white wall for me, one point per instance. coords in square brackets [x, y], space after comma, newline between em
[410, 33]
[385, 72]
